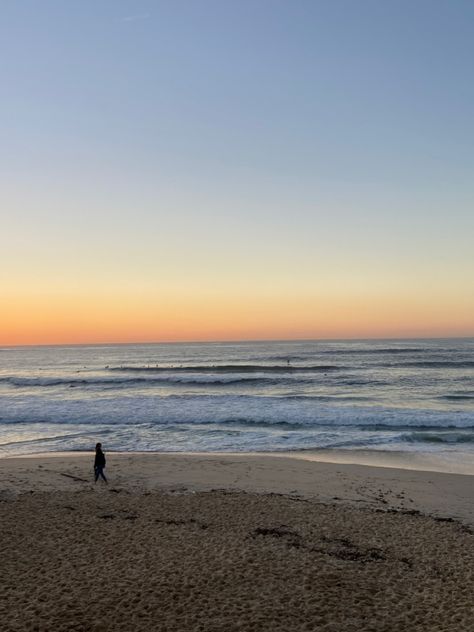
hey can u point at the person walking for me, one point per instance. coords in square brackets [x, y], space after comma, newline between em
[99, 462]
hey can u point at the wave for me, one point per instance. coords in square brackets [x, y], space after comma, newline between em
[228, 368]
[327, 398]
[158, 410]
[203, 380]
[386, 350]
[314, 353]
[439, 437]
[354, 382]
[390, 427]
[291, 357]
[458, 397]
[51, 438]
[130, 381]
[438, 364]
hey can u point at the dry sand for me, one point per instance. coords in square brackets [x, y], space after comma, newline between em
[237, 542]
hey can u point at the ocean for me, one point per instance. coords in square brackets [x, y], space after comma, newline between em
[411, 396]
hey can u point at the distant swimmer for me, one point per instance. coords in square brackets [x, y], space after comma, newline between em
[99, 463]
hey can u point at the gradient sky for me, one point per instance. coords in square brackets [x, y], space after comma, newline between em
[205, 170]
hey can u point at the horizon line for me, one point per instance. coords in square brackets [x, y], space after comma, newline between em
[231, 341]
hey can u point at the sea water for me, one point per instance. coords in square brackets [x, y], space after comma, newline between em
[387, 395]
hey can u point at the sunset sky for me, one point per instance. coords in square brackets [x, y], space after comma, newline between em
[245, 169]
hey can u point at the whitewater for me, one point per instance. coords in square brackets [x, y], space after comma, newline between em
[413, 396]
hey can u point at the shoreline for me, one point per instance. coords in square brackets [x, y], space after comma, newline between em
[434, 493]
[452, 462]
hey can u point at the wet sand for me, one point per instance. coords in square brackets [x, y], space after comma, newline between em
[233, 542]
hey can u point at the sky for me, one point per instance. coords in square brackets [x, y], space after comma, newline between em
[235, 170]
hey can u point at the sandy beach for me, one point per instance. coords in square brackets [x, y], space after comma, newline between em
[217, 542]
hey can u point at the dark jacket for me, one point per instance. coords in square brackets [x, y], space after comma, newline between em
[99, 459]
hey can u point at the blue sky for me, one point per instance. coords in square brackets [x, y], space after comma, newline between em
[261, 138]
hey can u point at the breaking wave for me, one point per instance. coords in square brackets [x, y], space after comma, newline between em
[440, 437]
[438, 364]
[204, 380]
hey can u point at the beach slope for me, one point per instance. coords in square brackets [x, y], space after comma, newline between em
[238, 542]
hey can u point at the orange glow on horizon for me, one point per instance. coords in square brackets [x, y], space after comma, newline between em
[61, 319]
